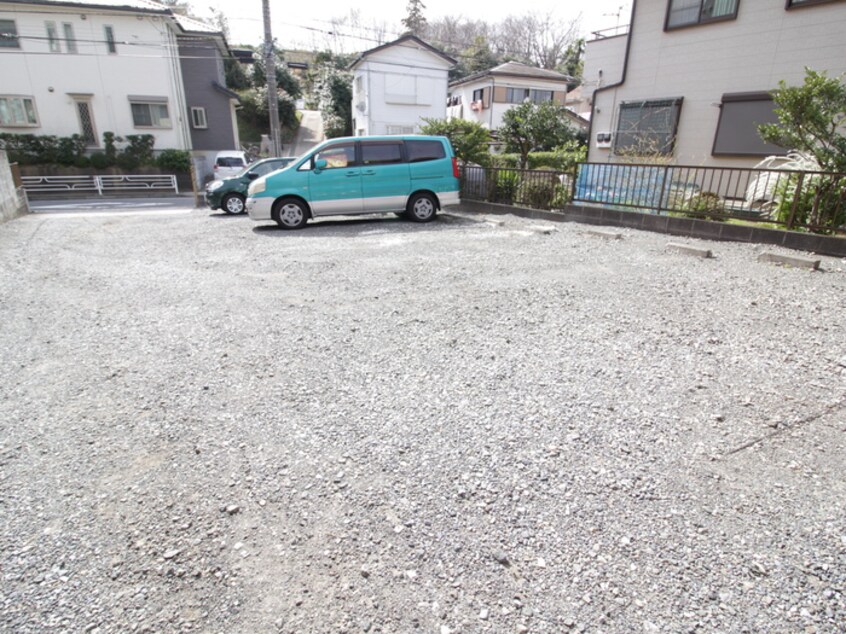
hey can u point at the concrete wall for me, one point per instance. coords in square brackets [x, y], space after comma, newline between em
[202, 65]
[11, 204]
[398, 86]
[764, 44]
[603, 63]
[145, 64]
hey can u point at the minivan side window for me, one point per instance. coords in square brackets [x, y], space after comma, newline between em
[424, 151]
[229, 161]
[337, 156]
[381, 153]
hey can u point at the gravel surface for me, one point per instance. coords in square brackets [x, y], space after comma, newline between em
[377, 426]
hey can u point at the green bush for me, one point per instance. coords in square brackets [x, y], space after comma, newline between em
[140, 149]
[109, 147]
[538, 190]
[705, 206]
[174, 160]
[821, 201]
[502, 186]
[562, 159]
[70, 149]
[99, 161]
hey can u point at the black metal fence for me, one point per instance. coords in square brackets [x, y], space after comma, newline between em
[814, 201]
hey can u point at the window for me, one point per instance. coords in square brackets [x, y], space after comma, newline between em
[737, 130]
[111, 45]
[53, 37]
[229, 161]
[688, 12]
[381, 153]
[424, 151]
[647, 127]
[478, 94]
[792, 4]
[9, 34]
[150, 114]
[399, 129]
[17, 112]
[198, 118]
[516, 95]
[70, 40]
[337, 156]
[539, 96]
[86, 121]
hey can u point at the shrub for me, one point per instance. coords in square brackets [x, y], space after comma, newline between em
[70, 149]
[705, 206]
[109, 147]
[99, 161]
[538, 190]
[821, 201]
[140, 149]
[502, 186]
[174, 160]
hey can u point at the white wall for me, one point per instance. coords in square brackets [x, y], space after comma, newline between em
[398, 86]
[11, 204]
[603, 63]
[765, 44]
[491, 116]
[146, 66]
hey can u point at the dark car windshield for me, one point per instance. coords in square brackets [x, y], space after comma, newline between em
[264, 167]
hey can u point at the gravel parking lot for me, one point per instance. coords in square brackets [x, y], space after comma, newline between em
[376, 426]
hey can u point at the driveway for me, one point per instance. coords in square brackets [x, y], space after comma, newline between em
[309, 134]
[376, 426]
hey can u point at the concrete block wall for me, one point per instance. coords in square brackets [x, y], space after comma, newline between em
[12, 204]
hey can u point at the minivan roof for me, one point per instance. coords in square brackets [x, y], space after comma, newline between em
[230, 154]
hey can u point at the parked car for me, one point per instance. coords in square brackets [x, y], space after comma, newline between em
[411, 176]
[229, 163]
[229, 194]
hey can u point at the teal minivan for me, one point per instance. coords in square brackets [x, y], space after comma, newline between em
[411, 176]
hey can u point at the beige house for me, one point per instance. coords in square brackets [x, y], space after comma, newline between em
[486, 96]
[691, 79]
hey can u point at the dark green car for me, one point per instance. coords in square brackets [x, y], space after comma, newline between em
[229, 194]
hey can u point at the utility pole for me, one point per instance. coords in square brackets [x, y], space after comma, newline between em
[270, 72]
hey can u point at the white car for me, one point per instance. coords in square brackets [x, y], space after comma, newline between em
[229, 163]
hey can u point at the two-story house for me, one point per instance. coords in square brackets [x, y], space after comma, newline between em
[124, 66]
[486, 96]
[691, 81]
[397, 85]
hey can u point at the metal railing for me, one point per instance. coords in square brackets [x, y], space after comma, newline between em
[100, 184]
[814, 201]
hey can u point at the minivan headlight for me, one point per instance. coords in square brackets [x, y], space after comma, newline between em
[256, 187]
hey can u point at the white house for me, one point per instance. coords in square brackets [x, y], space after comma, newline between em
[692, 78]
[486, 96]
[397, 85]
[91, 66]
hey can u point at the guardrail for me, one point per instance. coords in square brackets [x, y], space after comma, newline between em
[100, 184]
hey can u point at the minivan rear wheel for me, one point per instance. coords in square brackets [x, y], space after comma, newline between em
[421, 208]
[290, 213]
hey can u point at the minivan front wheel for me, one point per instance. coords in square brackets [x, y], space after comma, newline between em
[290, 213]
[233, 204]
[422, 208]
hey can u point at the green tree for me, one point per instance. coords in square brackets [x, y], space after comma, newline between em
[284, 79]
[811, 118]
[469, 138]
[414, 21]
[236, 78]
[478, 56]
[573, 63]
[535, 127]
[334, 89]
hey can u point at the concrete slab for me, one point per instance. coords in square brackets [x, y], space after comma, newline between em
[690, 250]
[790, 260]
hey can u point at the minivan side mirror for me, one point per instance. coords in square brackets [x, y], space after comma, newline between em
[320, 164]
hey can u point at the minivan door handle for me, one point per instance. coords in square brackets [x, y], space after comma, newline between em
[369, 173]
[351, 174]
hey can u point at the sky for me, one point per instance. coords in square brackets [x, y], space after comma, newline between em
[306, 23]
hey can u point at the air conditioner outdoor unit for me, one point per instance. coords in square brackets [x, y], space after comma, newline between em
[603, 140]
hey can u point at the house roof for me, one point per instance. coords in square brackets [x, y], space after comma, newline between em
[144, 6]
[515, 69]
[405, 38]
[191, 25]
